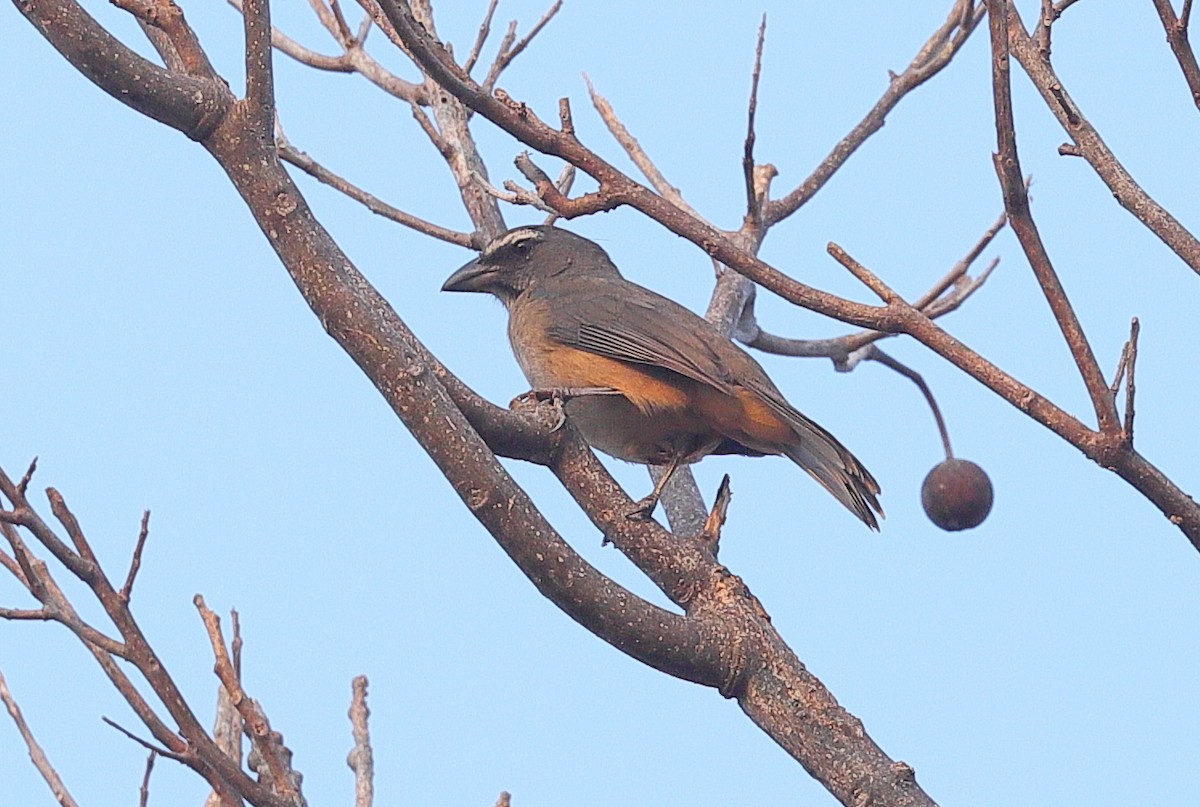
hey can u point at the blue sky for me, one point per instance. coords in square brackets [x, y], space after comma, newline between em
[156, 355]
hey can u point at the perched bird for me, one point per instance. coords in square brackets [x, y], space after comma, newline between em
[643, 378]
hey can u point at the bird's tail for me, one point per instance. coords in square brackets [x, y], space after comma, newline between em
[837, 470]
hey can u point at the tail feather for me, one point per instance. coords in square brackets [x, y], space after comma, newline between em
[842, 475]
[829, 462]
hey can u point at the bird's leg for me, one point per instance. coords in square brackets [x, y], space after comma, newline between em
[645, 507]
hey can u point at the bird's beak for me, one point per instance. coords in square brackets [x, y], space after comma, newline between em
[473, 276]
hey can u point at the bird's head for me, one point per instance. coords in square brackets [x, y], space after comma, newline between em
[523, 257]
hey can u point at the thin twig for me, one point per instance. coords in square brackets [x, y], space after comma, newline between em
[875, 354]
[635, 151]
[27, 477]
[353, 59]
[308, 165]
[331, 20]
[1177, 37]
[566, 178]
[943, 297]
[155, 749]
[934, 55]
[754, 203]
[1092, 147]
[548, 192]
[1016, 203]
[361, 758]
[144, 790]
[508, 51]
[1063, 5]
[1130, 387]
[710, 535]
[344, 34]
[40, 760]
[283, 778]
[58, 506]
[485, 28]
[136, 563]
[868, 278]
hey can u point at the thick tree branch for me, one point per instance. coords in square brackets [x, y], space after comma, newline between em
[191, 105]
[895, 317]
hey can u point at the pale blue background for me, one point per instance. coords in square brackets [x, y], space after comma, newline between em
[156, 355]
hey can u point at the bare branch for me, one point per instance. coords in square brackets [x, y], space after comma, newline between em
[190, 104]
[154, 749]
[508, 51]
[1177, 37]
[455, 142]
[485, 28]
[934, 55]
[195, 748]
[166, 16]
[361, 759]
[944, 297]
[331, 19]
[868, 278]
[1093, 148]
[1016, 203]
[40, 760]
[1126, 368]
[353, 59]
[514, 194]
[305, 55]
[710, 535]
[635, 151]
[754, 203]
[144, 791]
[136, 563]
[1063, 5]
[260, 72]
[283, 779]
[27, 477]
[308, 165]
[550, 194]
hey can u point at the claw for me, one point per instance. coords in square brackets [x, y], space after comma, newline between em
[644, 509]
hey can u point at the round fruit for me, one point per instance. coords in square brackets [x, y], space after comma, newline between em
[957, 495]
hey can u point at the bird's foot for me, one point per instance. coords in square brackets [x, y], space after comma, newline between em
[643, 510]
[557, 396]
[533, 401]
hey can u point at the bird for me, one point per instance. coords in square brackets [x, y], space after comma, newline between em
[643, 378]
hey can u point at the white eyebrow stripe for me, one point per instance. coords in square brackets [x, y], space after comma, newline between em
[510, 239]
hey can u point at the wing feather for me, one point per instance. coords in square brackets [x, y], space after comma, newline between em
[637, 325]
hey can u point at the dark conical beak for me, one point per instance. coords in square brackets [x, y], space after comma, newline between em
[473, 276]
